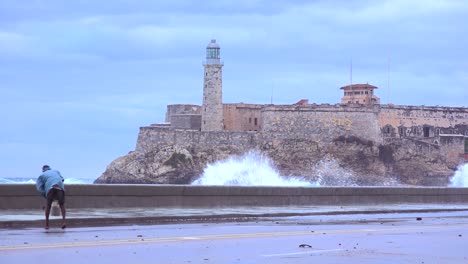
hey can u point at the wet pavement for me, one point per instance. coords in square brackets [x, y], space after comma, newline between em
[428, 236]
[127, 216]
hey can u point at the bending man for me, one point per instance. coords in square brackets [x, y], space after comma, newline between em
[50, 186]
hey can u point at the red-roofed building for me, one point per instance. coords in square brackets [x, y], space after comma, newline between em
[302, 102]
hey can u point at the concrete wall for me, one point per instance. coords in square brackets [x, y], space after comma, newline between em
[24, 196]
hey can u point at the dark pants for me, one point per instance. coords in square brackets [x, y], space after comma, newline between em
[55, 194]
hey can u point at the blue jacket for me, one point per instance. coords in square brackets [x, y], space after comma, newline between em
[47, 180]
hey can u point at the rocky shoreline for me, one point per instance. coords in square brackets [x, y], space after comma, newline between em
[347, 160]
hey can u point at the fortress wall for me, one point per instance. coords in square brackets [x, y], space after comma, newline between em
[153, 138]
[321, 123]
[455, 119]
[242, 117]
[439, 126]
[306, 127]
[181, 109]
[186, 121]
[452, 147]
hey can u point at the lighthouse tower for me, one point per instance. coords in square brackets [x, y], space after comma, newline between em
[212, 111]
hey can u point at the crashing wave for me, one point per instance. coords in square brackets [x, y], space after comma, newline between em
[251, 169]
[460, 179]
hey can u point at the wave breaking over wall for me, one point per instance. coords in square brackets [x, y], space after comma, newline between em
[251, 169]
[460, 179]
[256, 169]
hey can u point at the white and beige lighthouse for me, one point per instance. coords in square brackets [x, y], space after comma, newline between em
[212, 110]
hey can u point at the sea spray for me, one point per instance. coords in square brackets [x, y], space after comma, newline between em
[256, 169]
[330, 173]
[251, 169]
[460, 179]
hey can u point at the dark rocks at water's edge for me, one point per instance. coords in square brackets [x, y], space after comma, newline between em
[344, 161]
[157, 167]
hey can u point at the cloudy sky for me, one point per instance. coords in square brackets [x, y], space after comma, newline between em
[78, 78]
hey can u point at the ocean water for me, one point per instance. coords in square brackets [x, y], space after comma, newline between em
[33, 181]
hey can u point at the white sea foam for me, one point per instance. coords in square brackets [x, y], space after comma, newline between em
[255, 169]
[330, 173]
[252, 169]
[460, 179]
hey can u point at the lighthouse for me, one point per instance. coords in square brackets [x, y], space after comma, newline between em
[212, 110]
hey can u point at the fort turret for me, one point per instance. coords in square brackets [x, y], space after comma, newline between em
[212, 109]
[359, 94]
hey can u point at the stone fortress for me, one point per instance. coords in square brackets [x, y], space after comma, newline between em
[372, 143]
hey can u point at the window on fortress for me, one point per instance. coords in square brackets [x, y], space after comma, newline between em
[255, 121]
[367, 92]
[426, 131]
[250, 120]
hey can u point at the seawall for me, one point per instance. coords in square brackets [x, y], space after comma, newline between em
[21, 196]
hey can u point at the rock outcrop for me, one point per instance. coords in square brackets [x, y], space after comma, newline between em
[347, 160]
